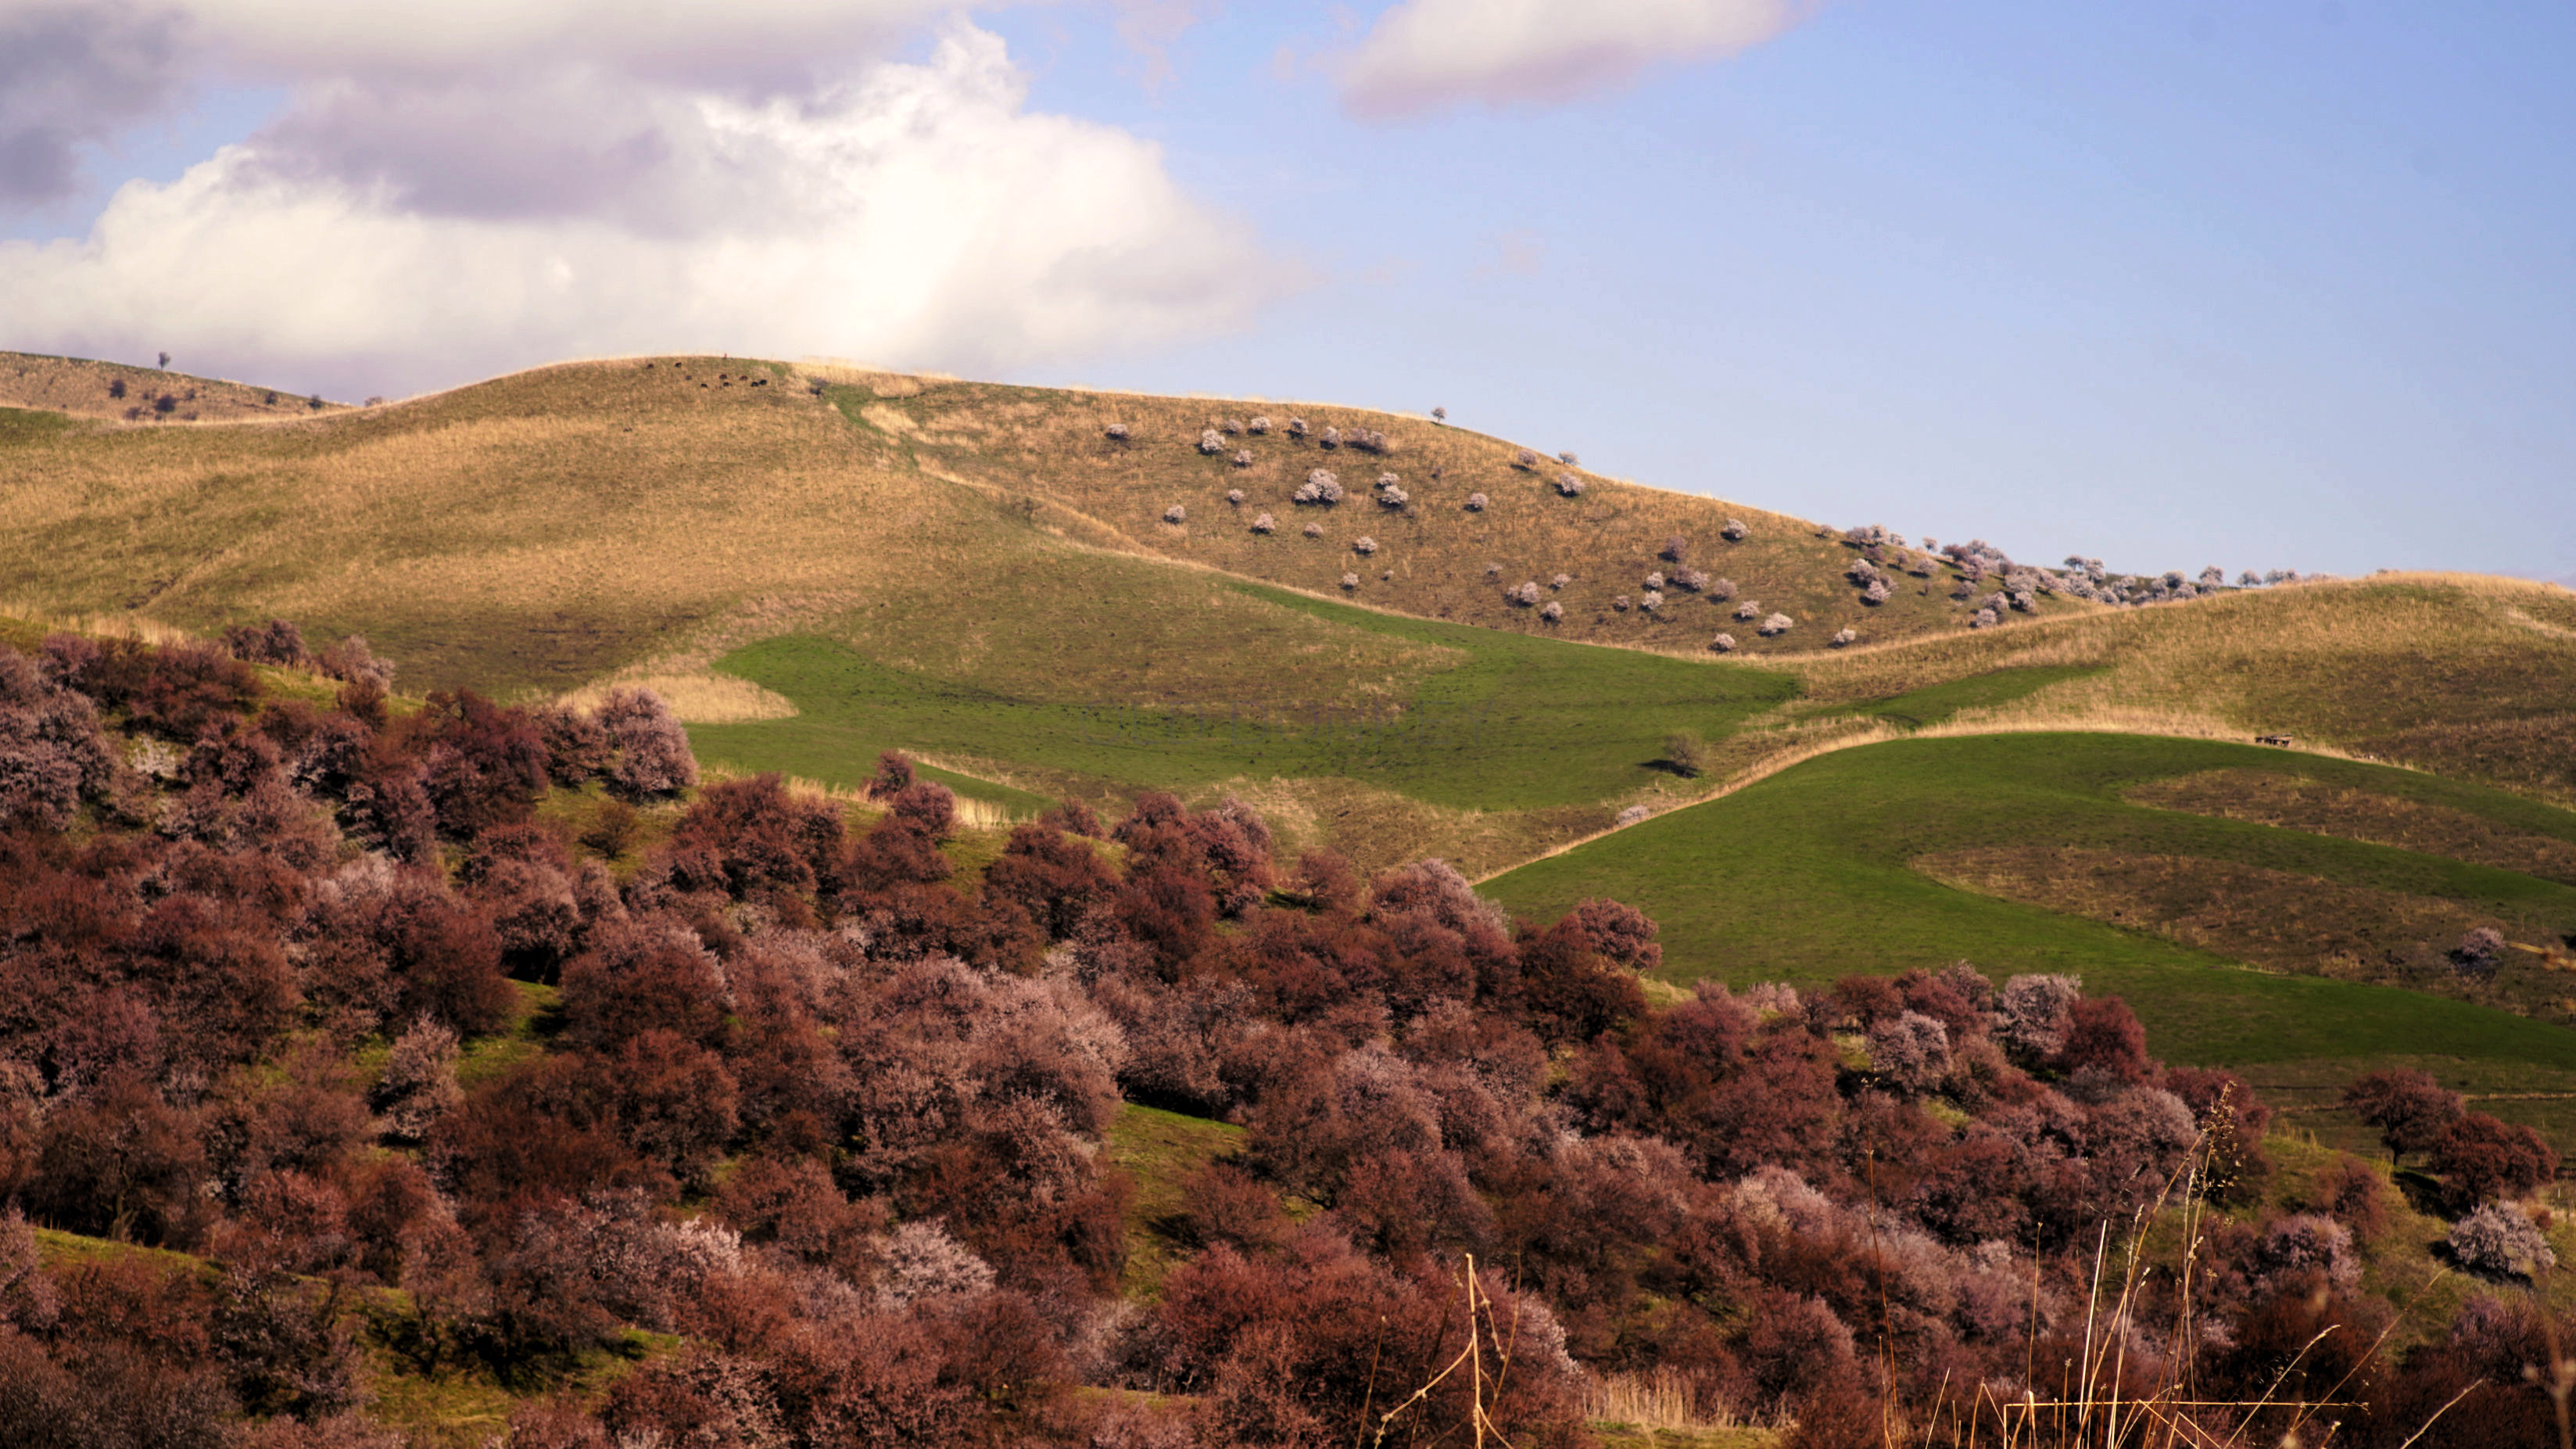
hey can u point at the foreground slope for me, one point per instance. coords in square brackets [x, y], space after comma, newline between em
[2300, 948]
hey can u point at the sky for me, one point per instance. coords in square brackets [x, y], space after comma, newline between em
[2256, 285]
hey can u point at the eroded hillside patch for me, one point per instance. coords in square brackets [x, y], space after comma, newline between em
[2296, 802]
[2277, 919]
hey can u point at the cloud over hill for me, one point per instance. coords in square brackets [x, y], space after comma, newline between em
[445, 200]
[1424, 55]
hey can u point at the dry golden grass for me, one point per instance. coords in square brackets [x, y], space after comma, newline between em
[80, 388]
[2443, 672]
[1437, 553]
[695, 698]
[551, 528]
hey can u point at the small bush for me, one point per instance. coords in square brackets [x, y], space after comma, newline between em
[1476, 502]
[1876, 593]
[2501, 1241]
[1115, 432]
[1569, 486]
[2476, 954]
[1525, 459]
[1234, 496]
[1363, 545]
[1350, 581]
[1320, 487]
[1749, 609]
[1690, 580]
[1525, 595]
[1655, 580]
[1735, 531]
[1687, 753]
[1630, 816]
[1258, 426]
[1176, 514]
[1394, 497]
[1264, 523]
[1619, 604]
[1314, 530]
[1676, 549]
[1233, 427]
[1776, 624]
[1552, 612]
[1296, 427]
[1721, 590]
[1243, 457]
[1211, 441]
[1845, 636]
[1650, 601]
[1330, 438]
[1986, 619]
[1722, 644]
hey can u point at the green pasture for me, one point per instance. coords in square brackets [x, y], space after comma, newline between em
[1520, 723]
[1804, 877]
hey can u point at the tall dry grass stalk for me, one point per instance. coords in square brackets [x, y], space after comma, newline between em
[1657, 1401]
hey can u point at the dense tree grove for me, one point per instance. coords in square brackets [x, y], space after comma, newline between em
[833, 1114]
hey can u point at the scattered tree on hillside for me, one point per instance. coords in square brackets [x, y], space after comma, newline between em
[1350, 581]
[1844, 636]
[1263, 523]
[653, 756]
[1723, 643]
[1364, 545]
[1314, 530]
[2410, 1109]
[1735, 531]
[1525, 458]
[1749, 609]
[1116, 432]
[1211, 442]
[1176, 514]
[1234, 496]
[1257, 426]
[1242, 457]
[1476, 502]
[1569, 485]
[1296, 427]
[1552, 611]
[1567, 458]
[1775, 624]
[1650, 601]
[1330, 438]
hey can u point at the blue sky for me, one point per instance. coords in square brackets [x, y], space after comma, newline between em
[2260, 286]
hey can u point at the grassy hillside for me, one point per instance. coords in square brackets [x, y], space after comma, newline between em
[980, 574]
[1919, 852]
[1435, 557]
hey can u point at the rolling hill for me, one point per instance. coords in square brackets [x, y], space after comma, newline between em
[821, 563]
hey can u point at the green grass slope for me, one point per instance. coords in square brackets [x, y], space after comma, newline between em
[1812, 874]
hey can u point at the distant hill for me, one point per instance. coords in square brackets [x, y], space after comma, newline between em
[985, 575]
[116, 392]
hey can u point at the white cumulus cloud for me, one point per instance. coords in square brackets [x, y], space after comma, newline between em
[395, 231]
[1424, 55]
